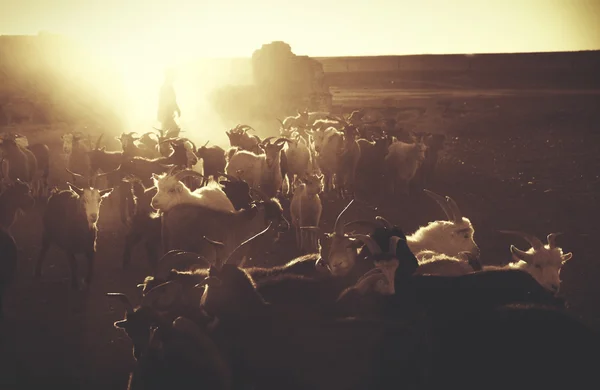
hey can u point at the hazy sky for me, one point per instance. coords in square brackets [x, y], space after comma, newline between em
[234, 28]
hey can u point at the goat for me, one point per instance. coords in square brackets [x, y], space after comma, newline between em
[256, 335]
[238, 137]
[42, 160]
[324, 124]
[16, 196]
[426, 171]
[401, 163]
[303, 119]
[104, 161]
[449, 237]
[213, 159]
[17, 162]
[69, 222]
[75, 149]
[328, 146]
[299, 121]
[184, 226]
[171, 269]
[172, 353]
[8, 263]
[143, 168]
[299, 159]
[172, 192]
[370, 167]
[543, 262]
[130, 148]
[348, 160]
[145, 225]
[238, 191]
[261, 171]
[305, 210]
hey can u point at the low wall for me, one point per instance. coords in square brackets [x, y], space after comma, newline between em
[580, 61]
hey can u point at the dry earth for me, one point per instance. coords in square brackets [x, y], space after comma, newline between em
[514, 160]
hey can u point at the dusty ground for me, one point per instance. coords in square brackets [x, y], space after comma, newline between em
[513, 161]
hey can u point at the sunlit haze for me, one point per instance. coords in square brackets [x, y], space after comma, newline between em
[141, 37]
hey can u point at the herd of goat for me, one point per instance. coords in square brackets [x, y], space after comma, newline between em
[375, 310]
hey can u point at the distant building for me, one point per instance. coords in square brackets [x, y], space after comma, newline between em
[291, 82]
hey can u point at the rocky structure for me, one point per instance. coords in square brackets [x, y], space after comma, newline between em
[289, 82]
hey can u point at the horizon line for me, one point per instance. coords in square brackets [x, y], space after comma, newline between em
[200, 57]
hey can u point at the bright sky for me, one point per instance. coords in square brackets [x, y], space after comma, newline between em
[142, 36]
[234, 28]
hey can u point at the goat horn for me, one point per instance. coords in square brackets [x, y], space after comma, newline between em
[282, 140]
[171, 260]
[162, 296]
[369, 242]
[188, 173]
[124, 299]
[206, 143]
[387, 224]
[266, 140]
[280, 121]
[228, 177]
[247, 242]
[442, 202]
[160, 132]
[98, 141]
[74, 174]
[218, 245]
[339, 228]
[458, 217]
[535, 242]
[552, 240]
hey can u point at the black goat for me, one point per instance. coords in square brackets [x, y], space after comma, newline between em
[213, 161]
[145, 225]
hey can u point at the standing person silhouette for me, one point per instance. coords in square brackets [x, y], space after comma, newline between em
[167, 106]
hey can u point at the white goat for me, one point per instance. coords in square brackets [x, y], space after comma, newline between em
[451, 237]
[402, 162]
[299, 159]
[543, 262]
[328, 145]
[306, 209]
[171, 192]
[262, 172]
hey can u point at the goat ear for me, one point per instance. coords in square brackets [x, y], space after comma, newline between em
[106, 192]
[118, 137]
[566, 257]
